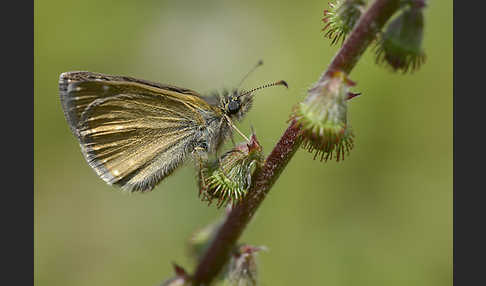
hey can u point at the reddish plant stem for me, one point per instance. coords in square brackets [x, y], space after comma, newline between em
[219, 251]
[368, 25]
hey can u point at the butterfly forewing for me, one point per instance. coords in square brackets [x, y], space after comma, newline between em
[132, 132]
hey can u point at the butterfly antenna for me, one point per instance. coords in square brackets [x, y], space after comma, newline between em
[280, 82]
[260, 62]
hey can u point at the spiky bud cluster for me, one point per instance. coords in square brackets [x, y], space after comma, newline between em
[341, 17]
[228, 178]
[323, 118]
[400, 46]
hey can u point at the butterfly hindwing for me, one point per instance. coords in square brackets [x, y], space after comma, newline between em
[133, 133]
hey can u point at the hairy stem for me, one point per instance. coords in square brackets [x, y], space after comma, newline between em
[346, 58]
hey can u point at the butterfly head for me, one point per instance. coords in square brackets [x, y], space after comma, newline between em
[237, 104]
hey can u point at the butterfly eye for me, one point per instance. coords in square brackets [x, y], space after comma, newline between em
[233, 106]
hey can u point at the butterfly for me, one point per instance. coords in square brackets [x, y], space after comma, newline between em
[134, 132]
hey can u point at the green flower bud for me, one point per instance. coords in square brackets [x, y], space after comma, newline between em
[201, 239]
[341, 17]
[229, 178]
[181, 278]
[323, 118]
[242, 268]
[400, 46]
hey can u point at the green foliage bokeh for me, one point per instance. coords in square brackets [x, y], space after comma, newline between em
[383, 216]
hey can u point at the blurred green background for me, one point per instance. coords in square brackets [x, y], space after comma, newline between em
[383, 216]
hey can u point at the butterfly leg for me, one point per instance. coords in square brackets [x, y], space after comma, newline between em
[236, 129]
[199, 153]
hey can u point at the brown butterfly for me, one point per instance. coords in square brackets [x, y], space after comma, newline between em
[134, 132]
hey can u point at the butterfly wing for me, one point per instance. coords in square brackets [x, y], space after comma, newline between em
[133, 133]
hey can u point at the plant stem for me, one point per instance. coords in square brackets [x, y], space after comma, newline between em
[346, 58]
